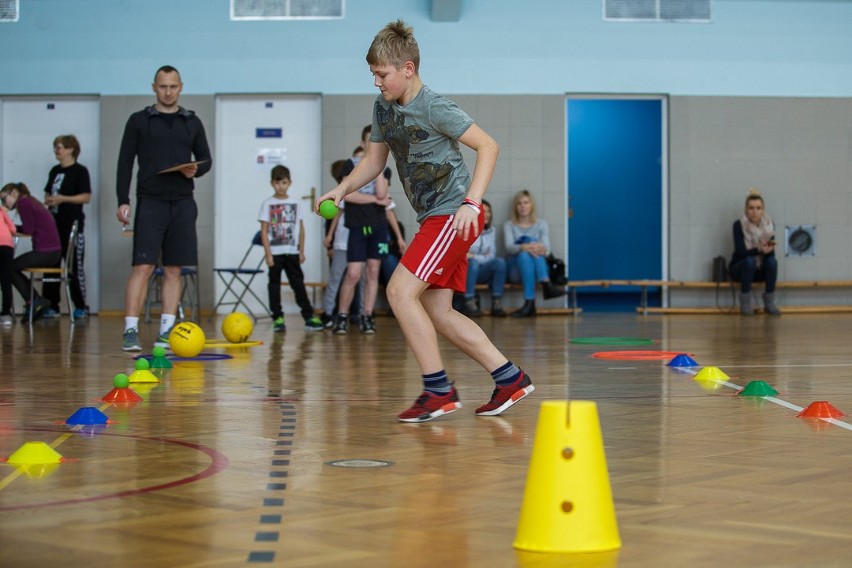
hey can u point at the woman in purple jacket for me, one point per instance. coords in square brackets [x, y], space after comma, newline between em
[36, 221]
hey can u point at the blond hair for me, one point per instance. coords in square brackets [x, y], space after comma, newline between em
[394, 45]
[515, 200]
[754, 195]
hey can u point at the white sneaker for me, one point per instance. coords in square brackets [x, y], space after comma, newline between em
[6, 320]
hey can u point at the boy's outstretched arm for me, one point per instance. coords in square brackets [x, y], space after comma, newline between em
[370, 166]
[486, 149]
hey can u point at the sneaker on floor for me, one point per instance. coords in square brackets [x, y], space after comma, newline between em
[163, 338]
[6, 320]
[278, 324]
[81, 313]
[314, 324]
[504, 397]
[367, 324]
[38, 310]
[50, 313]
[131, 340]
[341, 324]
[327, 321]
[430, 406]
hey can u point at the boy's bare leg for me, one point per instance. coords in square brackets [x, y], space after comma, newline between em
[403, 292]
[371, 288]
[347, 289]
[460, 330]
[423, 313]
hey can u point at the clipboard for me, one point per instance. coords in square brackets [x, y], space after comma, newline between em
[179, 166]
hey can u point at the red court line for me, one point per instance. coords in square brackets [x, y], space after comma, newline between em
[219, 462]
[637, 355]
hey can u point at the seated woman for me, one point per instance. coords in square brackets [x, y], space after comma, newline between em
[36, 221]
[754, 254]
[484, 266]
[527, 240]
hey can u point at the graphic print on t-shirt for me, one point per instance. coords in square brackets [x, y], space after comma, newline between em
[282, 225]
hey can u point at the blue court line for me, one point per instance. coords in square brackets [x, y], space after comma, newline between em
[288, 422]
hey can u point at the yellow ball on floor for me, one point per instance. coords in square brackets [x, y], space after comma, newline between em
[237, 327]
[186, 339]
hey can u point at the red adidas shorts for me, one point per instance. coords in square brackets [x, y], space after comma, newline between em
[438, 255]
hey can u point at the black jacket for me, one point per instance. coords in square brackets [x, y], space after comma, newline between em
[158, 142]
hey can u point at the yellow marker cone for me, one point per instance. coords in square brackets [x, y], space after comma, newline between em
[34, 453]
[143, 376]
[567, 501]
[711, 374]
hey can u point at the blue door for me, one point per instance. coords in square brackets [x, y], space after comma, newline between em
[615, 197]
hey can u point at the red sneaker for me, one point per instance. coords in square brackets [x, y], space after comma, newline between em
[429, 406]
[504, 397]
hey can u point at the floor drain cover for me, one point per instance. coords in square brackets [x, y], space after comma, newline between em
[360, 463]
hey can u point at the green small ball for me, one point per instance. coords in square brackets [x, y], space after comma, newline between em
[142, 364]
[158, 352]
[121, 381]
[328, 210]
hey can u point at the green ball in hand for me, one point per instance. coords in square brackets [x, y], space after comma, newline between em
[328, 210]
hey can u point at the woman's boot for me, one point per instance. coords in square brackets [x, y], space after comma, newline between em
[471, 308]
[549, 291]
[769, 305]
[497, 307]
[526, 311]
[745, 304]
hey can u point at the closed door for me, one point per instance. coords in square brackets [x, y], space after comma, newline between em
[253, 134]
[29, 125]
[616, 195]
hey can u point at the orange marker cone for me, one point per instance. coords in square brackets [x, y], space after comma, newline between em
[821, 409]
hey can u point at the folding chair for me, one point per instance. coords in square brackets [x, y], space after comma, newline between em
[237, 281]
[63, 273]
[188, 293]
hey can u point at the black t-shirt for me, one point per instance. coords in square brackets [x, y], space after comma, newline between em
[366, 215]
[73, 180]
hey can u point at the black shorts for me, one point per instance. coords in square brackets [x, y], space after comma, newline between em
[367, 242]
[164, 232]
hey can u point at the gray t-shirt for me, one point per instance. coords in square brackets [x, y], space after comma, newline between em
[423, 138]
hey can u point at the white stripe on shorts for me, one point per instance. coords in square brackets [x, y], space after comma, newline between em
[437, 251]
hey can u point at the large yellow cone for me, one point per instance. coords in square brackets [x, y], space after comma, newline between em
[567, 501]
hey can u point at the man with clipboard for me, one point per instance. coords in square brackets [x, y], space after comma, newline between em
[170, 146]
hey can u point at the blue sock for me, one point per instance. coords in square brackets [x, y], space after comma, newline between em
[437, 383]
[506, 375]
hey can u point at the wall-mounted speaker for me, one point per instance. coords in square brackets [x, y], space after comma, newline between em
[800, 240]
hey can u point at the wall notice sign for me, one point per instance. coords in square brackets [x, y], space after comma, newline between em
[268, 132]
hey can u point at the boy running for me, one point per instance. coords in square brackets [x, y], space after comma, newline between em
[423, 130]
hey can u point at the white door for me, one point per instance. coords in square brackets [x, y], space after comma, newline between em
[253, 134]
[29, 126]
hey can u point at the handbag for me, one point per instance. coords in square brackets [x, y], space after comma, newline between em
[556, 268]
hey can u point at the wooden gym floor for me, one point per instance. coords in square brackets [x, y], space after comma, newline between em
[228, 462]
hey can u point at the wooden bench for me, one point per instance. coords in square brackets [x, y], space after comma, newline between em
[645, 285]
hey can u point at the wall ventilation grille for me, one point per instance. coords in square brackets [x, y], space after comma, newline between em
[287, 9]
[657, 10]
[9, 10]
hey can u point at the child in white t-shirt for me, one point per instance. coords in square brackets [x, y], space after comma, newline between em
[282, 231]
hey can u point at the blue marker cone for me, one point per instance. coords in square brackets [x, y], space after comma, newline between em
[87, 415]
[682, 360]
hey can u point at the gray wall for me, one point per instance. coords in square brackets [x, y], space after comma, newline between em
[798, 151]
